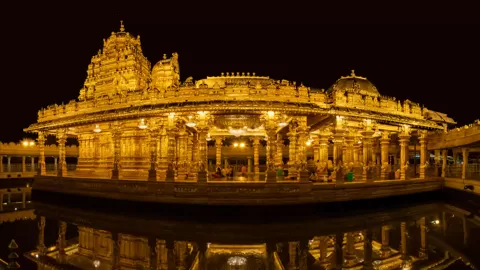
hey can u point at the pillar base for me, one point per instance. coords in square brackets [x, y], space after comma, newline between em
[202, 177]
[115, 174]
[152, 175]
[271, 177]
[339, 177]
[303, 176]
[170, 176]
[61, 173]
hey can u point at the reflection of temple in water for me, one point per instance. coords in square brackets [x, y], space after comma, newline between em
[381, 240]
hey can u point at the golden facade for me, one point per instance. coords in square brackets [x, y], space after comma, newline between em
[137, 123]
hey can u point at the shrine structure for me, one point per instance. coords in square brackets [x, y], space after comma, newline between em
[136, 123]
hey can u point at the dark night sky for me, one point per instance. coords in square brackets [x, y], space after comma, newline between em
[430, 59]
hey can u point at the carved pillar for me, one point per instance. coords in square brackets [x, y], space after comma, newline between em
[384, 145]
[423, 239]
[348, 142]
[323, 154]
[292, 149]
[323, 248]
[302, 151]
[182, 155]
[32, 164]
[180, 252]
[218, 146]
[162, 255]
[24, 169]
[350, 249]
[61, 242]
[9, 164]
[202, 257]
[55, 164]
[337, 147]
[195, 154]
[162, 154]
[303, 255]
[116, 137]
[385, 249]
[465, 162]
[153, 140]
[1, 163]
[171, 153]
[404, 142]
[42, 249]
[339, 250]
[170, 263]
[356, 152]
[437, 156]
[316, 149]
[444, 162]
[367, 155]
[368, 250]
[116, 251]
[249, 165]
[374, 151]
[256, 164]
[203, 147]
[191, 170]
[423, 154]
[292, 252]
[270, 154]
[62, 139]
[279, 154]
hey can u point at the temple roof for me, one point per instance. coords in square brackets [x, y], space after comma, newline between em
[355, 84]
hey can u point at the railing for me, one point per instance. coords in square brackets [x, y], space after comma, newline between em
[17, 167]
[455, 171]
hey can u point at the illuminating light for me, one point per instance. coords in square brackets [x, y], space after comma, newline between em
[236, 132]
[25, 143]
[36, 255]
[235, 145]
[283, 124]
[171, 115]
[96, 263]
[97, 129]
[190, 123]
[236, 261]
[28, 142]
[271, 114]
[242, 144]
[308, 142]
[436, 222]
[142, 124]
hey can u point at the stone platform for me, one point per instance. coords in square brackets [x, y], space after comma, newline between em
[233, 193]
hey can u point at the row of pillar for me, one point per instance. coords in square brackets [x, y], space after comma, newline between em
[24, 164]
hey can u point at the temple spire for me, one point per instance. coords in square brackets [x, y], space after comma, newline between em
[122, 27]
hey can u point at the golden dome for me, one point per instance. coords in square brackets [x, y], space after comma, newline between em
[354, 84]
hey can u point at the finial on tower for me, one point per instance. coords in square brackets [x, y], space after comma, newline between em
[164, 56]
[353, 73]
[122, 27]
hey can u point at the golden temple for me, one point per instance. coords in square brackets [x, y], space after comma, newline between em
[137, 123]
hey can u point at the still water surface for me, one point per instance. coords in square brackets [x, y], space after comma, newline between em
[433, 231]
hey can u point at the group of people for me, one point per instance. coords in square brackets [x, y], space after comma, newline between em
[228, 172]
